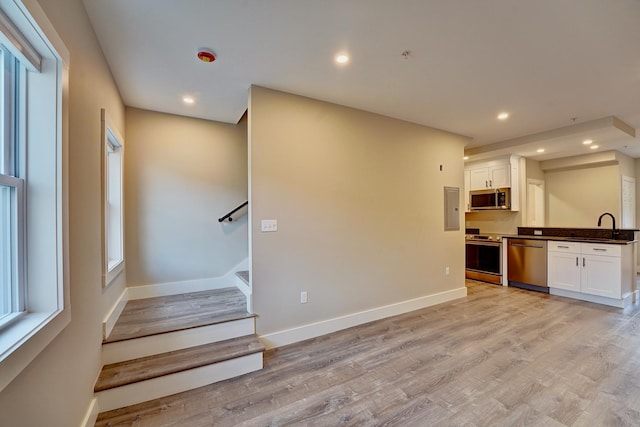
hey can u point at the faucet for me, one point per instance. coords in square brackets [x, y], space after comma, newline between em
[614, 232]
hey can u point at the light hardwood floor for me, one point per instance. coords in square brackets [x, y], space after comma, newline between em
[501, 356]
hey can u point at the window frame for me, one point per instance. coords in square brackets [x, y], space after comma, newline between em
[43, 142]
[112, 228]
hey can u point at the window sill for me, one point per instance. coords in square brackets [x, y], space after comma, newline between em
[22, 340]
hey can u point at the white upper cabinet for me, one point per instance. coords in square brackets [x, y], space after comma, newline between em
[492, 174]
[489, 177]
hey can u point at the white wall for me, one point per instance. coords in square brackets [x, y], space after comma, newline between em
[55, 390]
[182, 174]
[359, 203]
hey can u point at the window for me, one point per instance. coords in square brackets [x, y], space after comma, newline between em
[113, 234]
[34, 290]
[12, 235]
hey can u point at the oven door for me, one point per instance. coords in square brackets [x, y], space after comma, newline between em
[484, 261]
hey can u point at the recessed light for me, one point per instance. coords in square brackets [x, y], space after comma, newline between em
[587, 141]
[465, 158]
[503, 116]
[342, 58]
[188, 100]
[593, 147]
[540, 150]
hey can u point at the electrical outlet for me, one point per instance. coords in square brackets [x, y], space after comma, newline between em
[269, 225]
[537, 232]
[446, 271]
[303, 297]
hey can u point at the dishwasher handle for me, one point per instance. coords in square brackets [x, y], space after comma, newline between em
[522, 245]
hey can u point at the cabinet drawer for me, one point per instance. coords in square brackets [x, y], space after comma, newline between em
[601, 249]
[572, 247]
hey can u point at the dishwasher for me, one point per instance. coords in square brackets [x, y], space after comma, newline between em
[527, 264]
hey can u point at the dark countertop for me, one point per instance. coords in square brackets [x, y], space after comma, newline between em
[571, 239]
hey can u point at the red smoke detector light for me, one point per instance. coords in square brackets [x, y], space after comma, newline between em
[206, 55]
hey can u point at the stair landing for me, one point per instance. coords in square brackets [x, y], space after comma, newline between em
[152, 316]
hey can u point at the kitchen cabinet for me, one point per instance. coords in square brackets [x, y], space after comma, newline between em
[496, 176]
[601, 272]
[501, 172]
[467, 185]
[563, 266]
[589, 268]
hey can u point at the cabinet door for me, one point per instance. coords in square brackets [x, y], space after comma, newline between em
[479, 179]
[601, 275]
[500, 176]
[563, 270]
[467, 187]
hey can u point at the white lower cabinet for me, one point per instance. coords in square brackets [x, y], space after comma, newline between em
[588, 268]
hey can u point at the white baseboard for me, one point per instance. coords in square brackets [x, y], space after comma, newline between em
[175, 383]
[628, 299]
[110, 320]
[92, 414]
[197, 285]
[301, 333]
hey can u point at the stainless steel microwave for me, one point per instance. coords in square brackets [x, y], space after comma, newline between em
[498, 198]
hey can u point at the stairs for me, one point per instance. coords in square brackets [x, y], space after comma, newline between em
[166, 345]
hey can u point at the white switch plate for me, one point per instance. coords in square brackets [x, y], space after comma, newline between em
[303, 297]
[446, 271]
[269, 225]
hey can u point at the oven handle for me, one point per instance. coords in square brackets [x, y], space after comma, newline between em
[482, 243]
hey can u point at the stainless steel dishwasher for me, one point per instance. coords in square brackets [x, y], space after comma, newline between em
[527, 264]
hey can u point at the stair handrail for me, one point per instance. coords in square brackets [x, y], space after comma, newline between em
[232, 212]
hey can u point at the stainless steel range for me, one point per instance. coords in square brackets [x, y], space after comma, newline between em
[484, 257]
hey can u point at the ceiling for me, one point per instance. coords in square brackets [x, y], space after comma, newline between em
[451, 64]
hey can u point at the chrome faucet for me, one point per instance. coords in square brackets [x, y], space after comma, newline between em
[614, 232]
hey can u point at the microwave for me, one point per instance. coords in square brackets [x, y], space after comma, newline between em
[498, 198]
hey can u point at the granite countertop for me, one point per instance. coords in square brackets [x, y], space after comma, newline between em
[580, 235]
[571, 239]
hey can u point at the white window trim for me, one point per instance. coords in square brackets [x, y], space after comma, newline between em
[26, 337]
[111, 270]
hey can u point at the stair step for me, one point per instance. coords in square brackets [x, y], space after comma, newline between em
[137, 370]
[158, 315]
[119, 351]
[243, 275]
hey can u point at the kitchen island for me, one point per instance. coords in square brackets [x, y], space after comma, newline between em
[596, 265]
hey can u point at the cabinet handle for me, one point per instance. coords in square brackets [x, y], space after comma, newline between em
[583, 262]
[600, 249]
[563, 247]
[486, 184]
[490, 183]
[576, 261]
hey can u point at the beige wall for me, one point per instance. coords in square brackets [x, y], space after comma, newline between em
[500, 222]
[533, 170]
[56, 389]
[577, 197]
[359, 203]
[182, 174]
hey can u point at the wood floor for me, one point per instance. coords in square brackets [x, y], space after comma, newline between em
[501, 356]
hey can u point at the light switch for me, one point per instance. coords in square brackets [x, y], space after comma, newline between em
[269, 225]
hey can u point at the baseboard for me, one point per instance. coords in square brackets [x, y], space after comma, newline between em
[290, 336]
[175, 288]
[110, 320]
[92, 414]
[612, 302]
